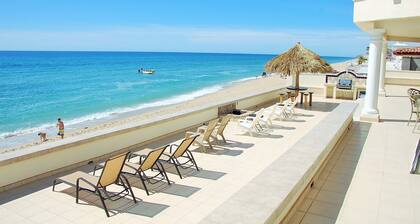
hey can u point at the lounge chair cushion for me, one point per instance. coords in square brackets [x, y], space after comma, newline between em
[71, 179]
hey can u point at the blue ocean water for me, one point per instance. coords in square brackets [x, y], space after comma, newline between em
[38, 87]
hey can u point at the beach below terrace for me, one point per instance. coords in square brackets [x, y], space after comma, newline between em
[230, 92]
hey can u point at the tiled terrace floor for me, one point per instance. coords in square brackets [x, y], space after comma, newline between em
[367, 180]
[323, 202]
[382, 189]
[224, 171]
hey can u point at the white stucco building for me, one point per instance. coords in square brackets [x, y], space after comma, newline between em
[384, 20]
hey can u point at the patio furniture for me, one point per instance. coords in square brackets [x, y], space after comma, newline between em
[289, 108]
[251, 123]
[111, 174]
[294, 88]
[417, 110]
[310, 98]
[295, 91]
[282, 97]
[181, 151]
[221, 127]
[304, 98]
[301, 97]
[305, 95]
[205, 134]
[149, 161]
[289, 93]
[268, 115]
[413, 95]
[280, 110]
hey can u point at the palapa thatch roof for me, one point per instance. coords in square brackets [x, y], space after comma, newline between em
[297, 60]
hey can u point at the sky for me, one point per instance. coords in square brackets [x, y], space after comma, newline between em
[226, 26]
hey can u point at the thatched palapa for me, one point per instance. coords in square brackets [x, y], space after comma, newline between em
[296, 61]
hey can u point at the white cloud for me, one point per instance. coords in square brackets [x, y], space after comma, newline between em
[165, 38]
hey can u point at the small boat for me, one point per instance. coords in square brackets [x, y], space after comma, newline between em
[146, 71]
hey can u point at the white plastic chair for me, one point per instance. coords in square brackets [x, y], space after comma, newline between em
[251, 124]
[267, 116]
[289, 108]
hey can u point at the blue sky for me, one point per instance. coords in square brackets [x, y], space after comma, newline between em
[246, 26]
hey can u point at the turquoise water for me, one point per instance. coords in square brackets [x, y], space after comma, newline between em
[38, 87]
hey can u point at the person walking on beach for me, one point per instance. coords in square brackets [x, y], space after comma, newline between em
[60, 126]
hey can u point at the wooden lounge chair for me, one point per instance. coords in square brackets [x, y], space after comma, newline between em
[111, 174]
[221, 128]
[147, 162]
[181, 151]
[205, 135]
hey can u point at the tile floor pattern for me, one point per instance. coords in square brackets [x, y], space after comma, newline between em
[368, 179]
[223, 172]
[323, 202]
[383, 190]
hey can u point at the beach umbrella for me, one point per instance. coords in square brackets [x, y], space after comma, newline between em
[296, 61]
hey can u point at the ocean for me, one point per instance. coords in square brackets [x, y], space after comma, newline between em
[84, 87]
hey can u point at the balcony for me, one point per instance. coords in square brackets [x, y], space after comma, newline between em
[398, 17]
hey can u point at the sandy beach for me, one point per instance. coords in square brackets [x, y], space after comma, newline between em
[342, 66]
[232, 91]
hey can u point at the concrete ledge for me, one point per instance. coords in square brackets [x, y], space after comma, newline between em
[26, 165]
[269, 197]
[364, 117]
[407, 78]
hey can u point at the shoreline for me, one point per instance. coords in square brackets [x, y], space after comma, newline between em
[121, 118]
[235, 87]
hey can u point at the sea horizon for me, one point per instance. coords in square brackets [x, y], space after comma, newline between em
[175, 52]
[87, 87]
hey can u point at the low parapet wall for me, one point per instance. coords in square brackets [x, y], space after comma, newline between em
[29, 164]
[270, 196]
[407, 78]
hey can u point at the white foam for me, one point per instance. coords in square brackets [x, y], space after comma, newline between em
[245, 79]
[24, 131]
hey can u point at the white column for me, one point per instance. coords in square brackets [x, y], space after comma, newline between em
[370, 110]
[383, 69]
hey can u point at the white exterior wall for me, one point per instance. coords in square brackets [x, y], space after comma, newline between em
[371, 10]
